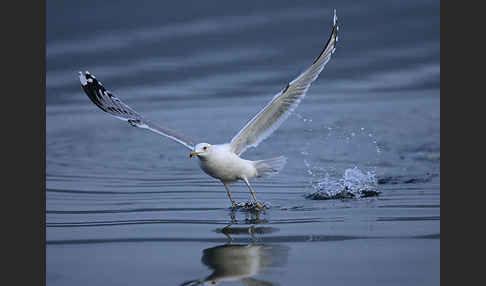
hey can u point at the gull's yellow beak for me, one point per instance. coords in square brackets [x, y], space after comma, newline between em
[193, 153]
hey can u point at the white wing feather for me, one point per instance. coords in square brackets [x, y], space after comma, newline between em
[110, 104]
[281, 106]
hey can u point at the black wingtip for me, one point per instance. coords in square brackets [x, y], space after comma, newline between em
[93, 88]
[334, 33]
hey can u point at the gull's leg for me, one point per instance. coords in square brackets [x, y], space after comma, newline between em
[229, 194]
[252, 193]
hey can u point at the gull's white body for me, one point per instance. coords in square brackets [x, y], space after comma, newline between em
[222, 164]
[223, 161]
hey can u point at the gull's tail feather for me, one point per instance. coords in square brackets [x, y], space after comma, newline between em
[270, 167]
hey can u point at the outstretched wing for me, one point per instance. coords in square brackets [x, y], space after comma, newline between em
[279, 108]
[110, 104]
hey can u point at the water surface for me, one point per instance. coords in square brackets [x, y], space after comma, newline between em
[128, 207]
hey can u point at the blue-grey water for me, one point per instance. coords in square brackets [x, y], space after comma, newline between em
[128, 207]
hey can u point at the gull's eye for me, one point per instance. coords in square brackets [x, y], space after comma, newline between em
[205, 148]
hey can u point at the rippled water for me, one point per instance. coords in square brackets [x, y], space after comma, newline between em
[128, 207]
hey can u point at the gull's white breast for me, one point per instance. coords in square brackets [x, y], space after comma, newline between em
[225, 165]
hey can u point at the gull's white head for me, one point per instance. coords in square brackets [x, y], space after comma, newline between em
[201, 150]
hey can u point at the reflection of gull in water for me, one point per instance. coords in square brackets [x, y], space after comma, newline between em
[223, 161]
[239, 262]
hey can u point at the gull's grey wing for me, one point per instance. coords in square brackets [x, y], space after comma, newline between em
[279, 108]
[110, 104]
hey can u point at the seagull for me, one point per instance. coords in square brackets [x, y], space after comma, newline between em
[223, 161]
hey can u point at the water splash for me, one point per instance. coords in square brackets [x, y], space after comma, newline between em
[302, 117]
[250, 206]
[354, 184]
